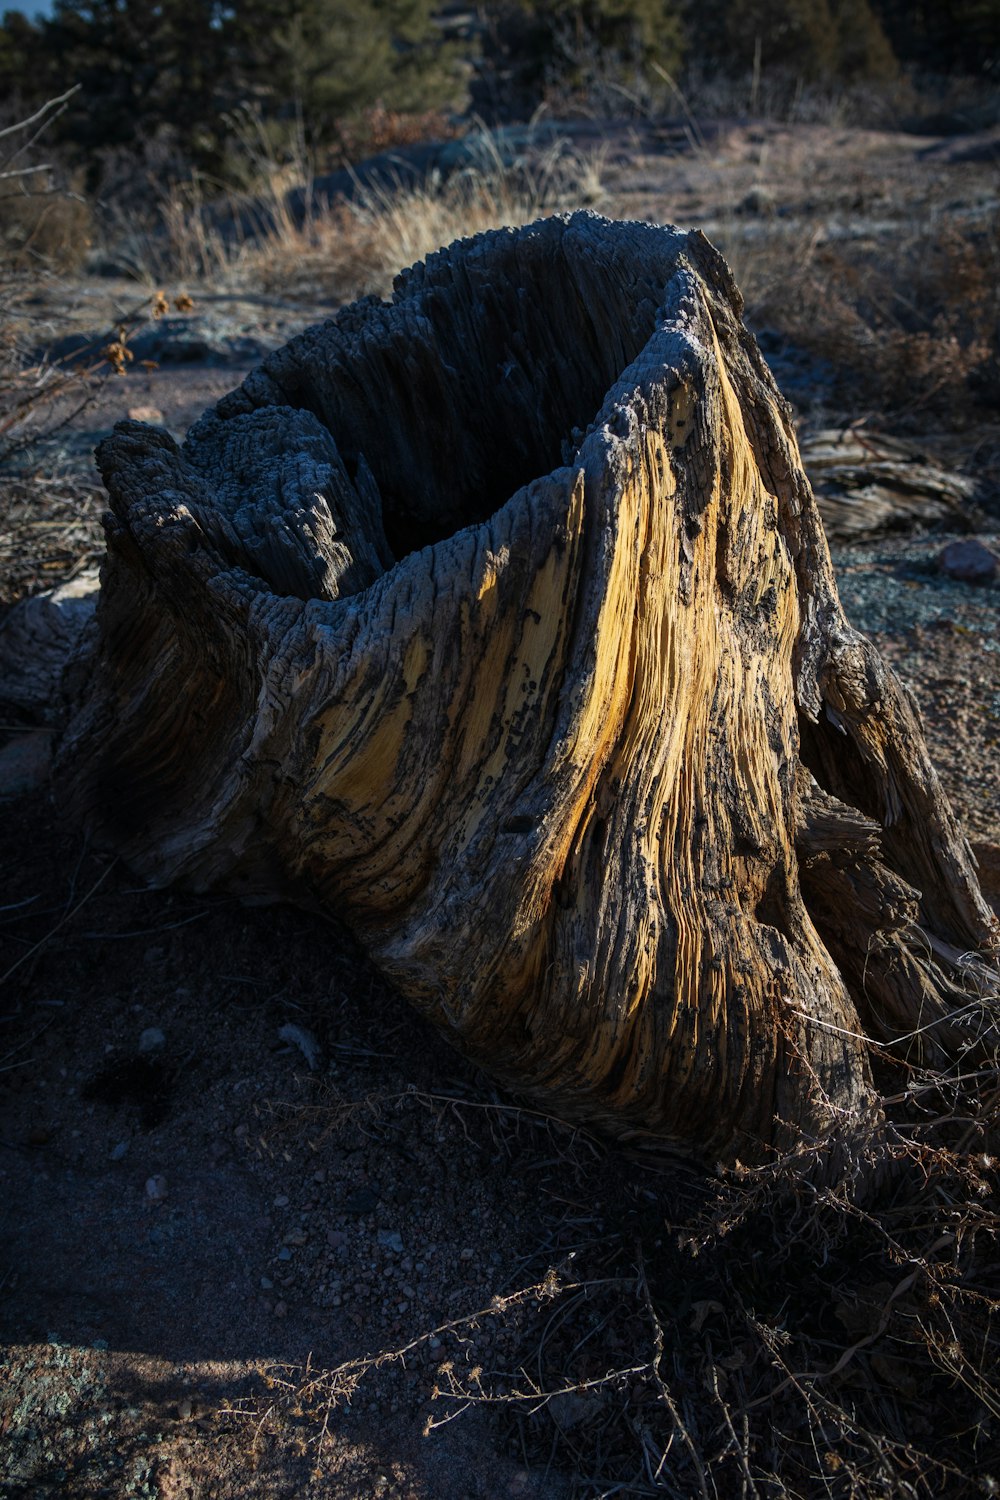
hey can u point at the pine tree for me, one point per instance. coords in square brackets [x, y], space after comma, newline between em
[327, 59]
[565, 44]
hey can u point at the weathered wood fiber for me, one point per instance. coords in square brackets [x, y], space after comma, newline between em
[867, 484]
[499, 620]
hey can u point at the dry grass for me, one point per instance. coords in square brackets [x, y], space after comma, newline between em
[44, 221]
[910, 322]
[283, 237]
[759, 1335]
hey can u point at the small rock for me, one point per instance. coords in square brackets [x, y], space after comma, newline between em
[117, 1152]
[284, 1253]
[759, 200]
[152, 1039]
[467, 1254]
[184, 1408]
[281, 1201]
[968, 562]
[266, 1284]
[390, 1239]
[39, 639]
[156, 1188]
[281, 1309]
[569, 1409]
[335, 1238]
[307, 1044]
[361, 1201]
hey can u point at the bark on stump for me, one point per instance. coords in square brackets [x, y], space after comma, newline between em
[499, 621]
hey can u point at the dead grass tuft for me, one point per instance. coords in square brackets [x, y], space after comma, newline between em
[281, 236]
[764, 1333]
[911, 321]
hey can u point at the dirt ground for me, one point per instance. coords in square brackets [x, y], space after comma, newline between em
[262, 1233]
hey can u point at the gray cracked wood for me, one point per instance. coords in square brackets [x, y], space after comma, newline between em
[499, 621]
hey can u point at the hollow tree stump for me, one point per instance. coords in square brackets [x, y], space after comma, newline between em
[499, 621]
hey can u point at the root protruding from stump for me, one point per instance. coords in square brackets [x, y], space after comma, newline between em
[499, 621]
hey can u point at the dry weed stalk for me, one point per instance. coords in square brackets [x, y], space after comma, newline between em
[33, 385]
[276, 234]
[758, 1335]
[911, 321]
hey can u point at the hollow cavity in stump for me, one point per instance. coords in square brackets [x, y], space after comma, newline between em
[499, 620]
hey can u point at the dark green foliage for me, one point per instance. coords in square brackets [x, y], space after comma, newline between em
[577, 47]
[328, 59]
[812, 39]
[944, 36]
[173, 70]
[144, 67]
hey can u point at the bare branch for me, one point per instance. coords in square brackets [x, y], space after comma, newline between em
[57, 105]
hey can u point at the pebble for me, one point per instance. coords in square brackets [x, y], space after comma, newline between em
[152, 1039]
[266, 1284]
[335, 1238]
[117, 1152]
[281, 1309]
[968, 562]
[281, 1201]
[156, 1188]
[284, 1253]
[298, 1036]
[361, 1201]
[390, 1239]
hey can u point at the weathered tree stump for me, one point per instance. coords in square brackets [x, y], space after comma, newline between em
[499, 621]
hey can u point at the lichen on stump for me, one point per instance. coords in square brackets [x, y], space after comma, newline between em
[498, 620]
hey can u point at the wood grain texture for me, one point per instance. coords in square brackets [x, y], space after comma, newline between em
[499, 621]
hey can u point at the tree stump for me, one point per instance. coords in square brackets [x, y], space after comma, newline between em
[498, 620]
